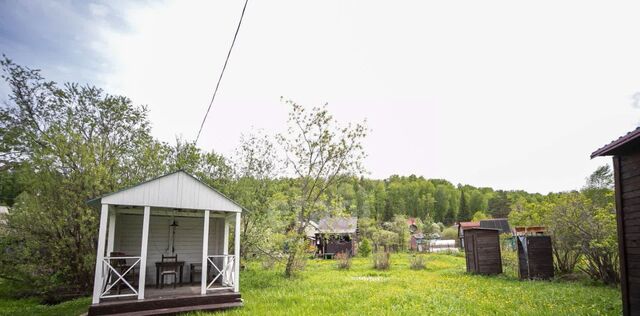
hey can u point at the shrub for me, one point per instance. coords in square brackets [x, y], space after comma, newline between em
[382, 260]
[510, 263]
[268, 263]
[365, 247]
[450, 233]
[478, 216]
[417, 262]
[344, 260]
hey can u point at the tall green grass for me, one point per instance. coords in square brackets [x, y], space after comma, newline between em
[32, 306]
[443, 288]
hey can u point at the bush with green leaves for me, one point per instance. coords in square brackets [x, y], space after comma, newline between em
[382, 260]
[344, 260]
[450, 233]
[418, 262]
[365, 248]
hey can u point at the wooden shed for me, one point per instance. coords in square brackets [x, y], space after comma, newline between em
[482, 250]
[626, 167]
[535, 257]
[335, 235]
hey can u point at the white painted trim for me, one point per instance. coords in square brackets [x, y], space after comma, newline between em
[225, 248]
[98, 278]
[236, 249]
[172, 213]
[168, 206]
[112, 231]
[205, 253]
[143, 251]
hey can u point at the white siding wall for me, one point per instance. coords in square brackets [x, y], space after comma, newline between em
[188, 243]
[177, 190]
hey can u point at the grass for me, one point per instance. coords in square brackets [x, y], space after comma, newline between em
[32, 306]
[443, 288]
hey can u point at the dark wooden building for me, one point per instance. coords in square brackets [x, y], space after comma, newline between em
[482, 250]
[535, 257]
[462, 226]
[336, 235]
[626, 167]
[501, 224]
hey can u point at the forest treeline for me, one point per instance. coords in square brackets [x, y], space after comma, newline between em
[432, 200]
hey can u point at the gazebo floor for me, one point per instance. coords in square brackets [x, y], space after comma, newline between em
[168, 301]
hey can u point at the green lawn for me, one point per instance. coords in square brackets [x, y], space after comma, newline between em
[31, 306]
[442, 289]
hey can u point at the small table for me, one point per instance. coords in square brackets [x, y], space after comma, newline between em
[160, 265]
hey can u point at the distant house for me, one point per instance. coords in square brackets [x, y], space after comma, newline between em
[528, 230]
[417, 238]
[417, 242]
[462, 226]
[334, 235]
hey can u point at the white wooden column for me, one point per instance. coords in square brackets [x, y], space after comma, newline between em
[225, 251]
[205, 253]
[236, 249]
[98, 278]
[143, 251]
[112, 231]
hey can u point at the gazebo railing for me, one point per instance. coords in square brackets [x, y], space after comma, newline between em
[110, 269]
[226, 271]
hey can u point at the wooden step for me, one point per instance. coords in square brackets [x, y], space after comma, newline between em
[183, 309]
[132, 306]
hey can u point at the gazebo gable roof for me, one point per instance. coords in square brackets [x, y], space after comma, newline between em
[178, 190]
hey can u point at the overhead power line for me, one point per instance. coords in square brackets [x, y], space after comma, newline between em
[226, 61]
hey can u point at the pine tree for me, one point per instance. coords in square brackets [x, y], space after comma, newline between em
[463, 213]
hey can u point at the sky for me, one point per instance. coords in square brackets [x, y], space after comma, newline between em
[504, 94]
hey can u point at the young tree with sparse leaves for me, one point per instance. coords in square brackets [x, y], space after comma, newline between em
[322, 155]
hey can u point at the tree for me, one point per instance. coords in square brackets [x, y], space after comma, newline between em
[69, 144]
[442, 203]
[400, 227]
[478, 202]
[322, 155]
[365, 248]
[464, 214]
[499, 204]
[589, 229]
[478, 216]
[256, 165]
[599, 186]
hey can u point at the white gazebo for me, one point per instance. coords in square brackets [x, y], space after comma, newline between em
[172, 215]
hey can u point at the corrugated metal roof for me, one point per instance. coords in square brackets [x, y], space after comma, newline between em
[338, 225]
[501, 224]
[618, 144]
[466, 225]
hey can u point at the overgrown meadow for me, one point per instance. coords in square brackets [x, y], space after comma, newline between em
[443, 288]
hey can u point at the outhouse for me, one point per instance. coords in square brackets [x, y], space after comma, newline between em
[535, 257]
[482, 250]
